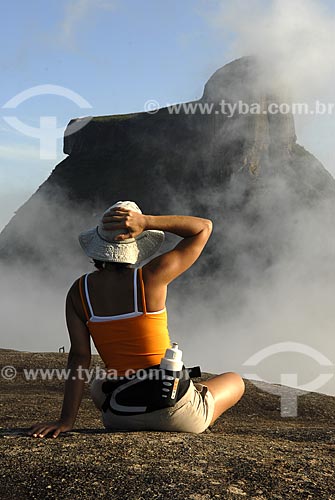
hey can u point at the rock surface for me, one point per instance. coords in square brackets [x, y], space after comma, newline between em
[251, 452]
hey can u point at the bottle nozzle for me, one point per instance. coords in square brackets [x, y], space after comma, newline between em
[173, 358]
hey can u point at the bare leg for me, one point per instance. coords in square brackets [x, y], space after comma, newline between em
[227, 389]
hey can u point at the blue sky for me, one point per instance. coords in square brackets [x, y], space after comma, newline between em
[116, 54]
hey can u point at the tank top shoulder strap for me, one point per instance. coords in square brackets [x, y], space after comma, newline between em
[142, 291]
[135, 291]
[82, 292]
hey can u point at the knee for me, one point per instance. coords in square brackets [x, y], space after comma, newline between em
[238, 382]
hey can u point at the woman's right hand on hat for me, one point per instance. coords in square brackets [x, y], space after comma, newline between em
[121, 218]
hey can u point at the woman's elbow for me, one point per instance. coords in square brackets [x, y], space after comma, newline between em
[208, 225]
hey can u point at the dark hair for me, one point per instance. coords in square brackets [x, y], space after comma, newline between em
[118, 266]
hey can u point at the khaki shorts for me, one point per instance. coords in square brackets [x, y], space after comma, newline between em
[192, 413]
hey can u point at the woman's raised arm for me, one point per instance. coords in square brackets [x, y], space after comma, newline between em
[195, 232]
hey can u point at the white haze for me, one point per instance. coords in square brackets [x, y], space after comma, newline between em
[221, 325]
[293, 300]
[32, 299]
[296, 39]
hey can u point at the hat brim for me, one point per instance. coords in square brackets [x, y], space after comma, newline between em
[131, 251]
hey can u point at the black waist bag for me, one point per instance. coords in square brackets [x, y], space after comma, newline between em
[152, 389]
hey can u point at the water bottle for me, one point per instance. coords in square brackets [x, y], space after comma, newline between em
[171, 366]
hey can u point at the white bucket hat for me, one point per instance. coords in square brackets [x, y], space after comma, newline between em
[100, 244]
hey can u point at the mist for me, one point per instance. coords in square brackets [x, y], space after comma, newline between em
[295, 41]
[223, 322]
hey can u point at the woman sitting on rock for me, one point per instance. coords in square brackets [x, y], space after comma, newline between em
[122, 307]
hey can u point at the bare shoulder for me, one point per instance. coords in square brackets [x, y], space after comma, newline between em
[150, 273]
[155, 289]
[73, 291]
[73, 299]
[168, 266]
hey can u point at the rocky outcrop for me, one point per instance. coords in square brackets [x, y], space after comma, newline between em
[251, 451]
[239, 170]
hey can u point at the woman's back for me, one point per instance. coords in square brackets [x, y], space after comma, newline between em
[126, 334]
[111, 292]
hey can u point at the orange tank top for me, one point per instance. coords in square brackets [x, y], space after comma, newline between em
[130, 341]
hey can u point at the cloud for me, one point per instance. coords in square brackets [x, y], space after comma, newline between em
[296, 37]
[76, 13]
[10, 201]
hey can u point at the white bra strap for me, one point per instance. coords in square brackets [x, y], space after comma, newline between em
[87, 297]
[135, 290]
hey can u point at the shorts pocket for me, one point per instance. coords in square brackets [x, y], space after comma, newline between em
[181, 408]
